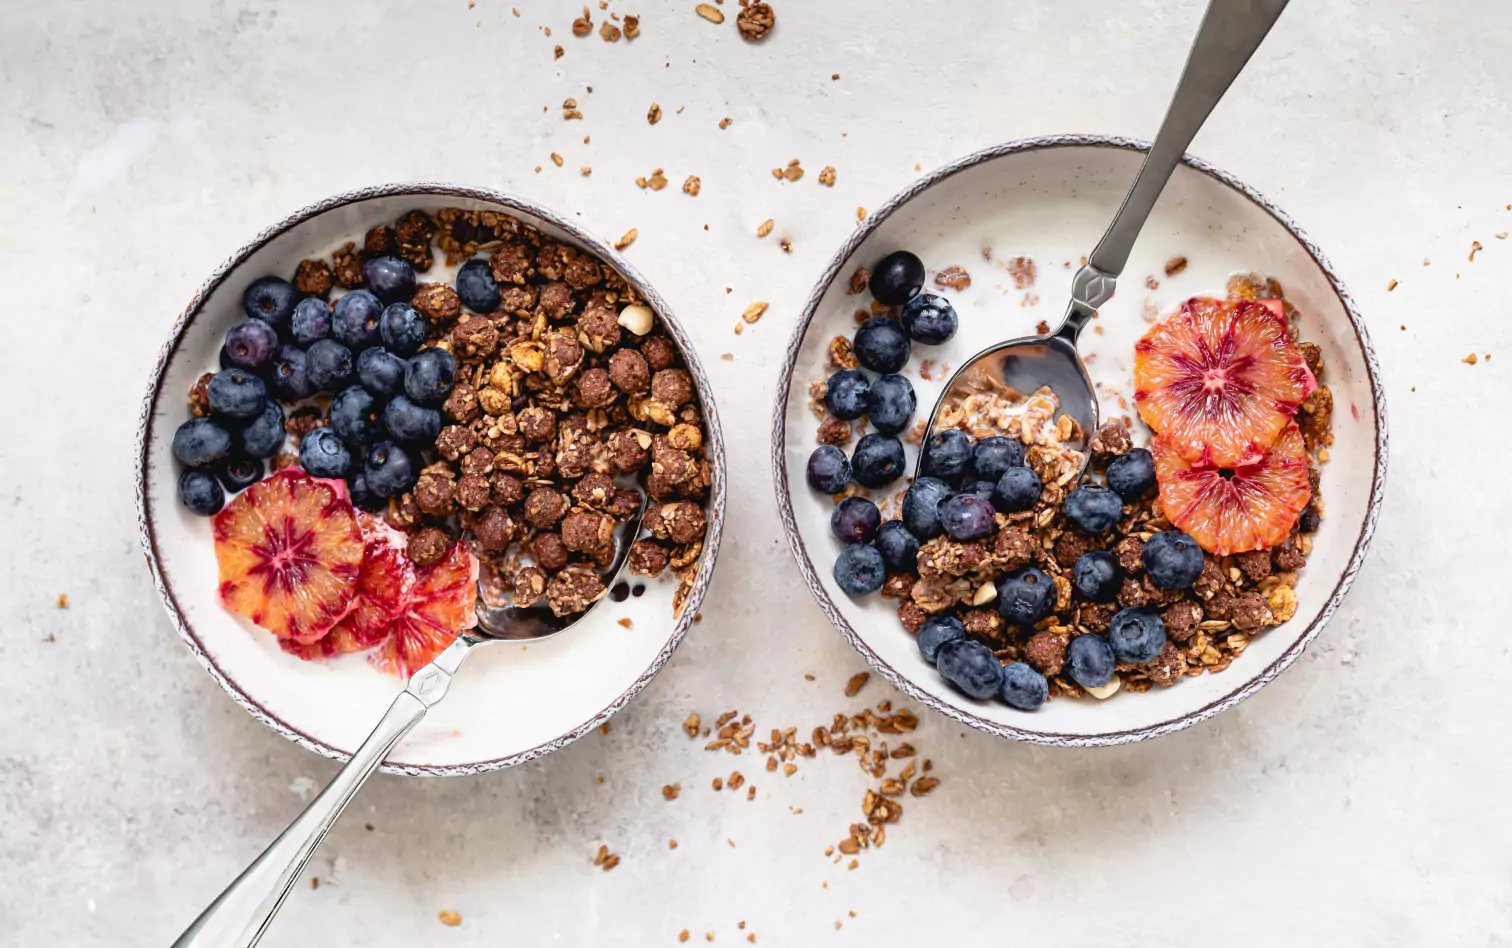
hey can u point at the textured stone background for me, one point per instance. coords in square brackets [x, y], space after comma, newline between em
[1359, 800]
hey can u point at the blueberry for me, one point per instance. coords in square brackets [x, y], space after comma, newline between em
[237, 393]
[380, 372]
[429, 376]
[1093, 508]
[354, 320]
[328, 366]
[322, 454]
[946, 454]
[362, 497]
[1136, 635]
[877, 460]
[1097, 576]
[200, 492]
[881, 345]
[971, 667]
[1132, 475]
[264, 435]
[225, 359]
[855, 520]
[967, 517]
[312, 321]
[921, 504]
[1025, 596]
[389, 470]
[847, 393]
[897, 278]
[936, 632]
[1018, 489]
[829, 469]
[392, 279]
[290, 373]
[354, 416]
[899, 548]
[240, 473]
[403, 329]
[1089, 661]
[891, 404]
[201, 442]
[1023, 687]
[272, 300]
[409, 422]
[1173, 559]
[859, 570]
[929, 319]
[992, 457]
[250, 343]
[476, 286]
[982, 489]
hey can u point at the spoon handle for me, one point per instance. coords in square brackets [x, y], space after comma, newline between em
[1230, 33]
[241, 914]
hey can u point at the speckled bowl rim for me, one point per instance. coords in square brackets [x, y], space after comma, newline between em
[826, 604]
[587, 241]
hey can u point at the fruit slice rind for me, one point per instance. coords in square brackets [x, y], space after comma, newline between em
[1220, 379]
[288, 551]
[1251, 507]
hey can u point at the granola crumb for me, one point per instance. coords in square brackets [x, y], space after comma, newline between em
[558, 53]
[1470, 359]
[786, 244]
[1175, 265]
[627, 240]
[1391, 286]
[62, 601]
[585, 171]
[654, 114]
[953, 278]
[755, 21]
[827, 176]
[754, 311]
[765, 227]
[726, 122]
[449, 918]
[710, 12]
[692, 185]
[557, 159]
[609, 33]
[857, 681]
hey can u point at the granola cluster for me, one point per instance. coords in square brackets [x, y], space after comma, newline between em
[565, 394]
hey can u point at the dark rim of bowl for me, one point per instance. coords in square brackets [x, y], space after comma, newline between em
[585, 240]
[1108, 738]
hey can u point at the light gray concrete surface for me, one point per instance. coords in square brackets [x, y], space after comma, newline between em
[1361, 799]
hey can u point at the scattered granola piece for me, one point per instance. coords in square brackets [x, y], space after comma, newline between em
[765, 228]
[611, 862]
[792, 172]
[609, 33]
[583, 25]
[754, 312]
[827, 176]
[670, 791]
[1475, 247]
[557, 159]
[654, 114]
[1470, 359]
[692, 185]
[726, 122]
[558, 53]
[755, 21]
[682, 935]
[62, 602]
[710, 12]
[449, 918]
[786, 244]
[585, 171]
[1175, 265]
[626, 240]
[1391, 286]
[953, 278]
[657, 181]
[856, 683]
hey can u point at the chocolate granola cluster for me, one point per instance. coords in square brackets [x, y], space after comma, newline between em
[564, 387]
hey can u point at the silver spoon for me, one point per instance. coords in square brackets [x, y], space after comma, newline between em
[1230, 33]
[241, 914]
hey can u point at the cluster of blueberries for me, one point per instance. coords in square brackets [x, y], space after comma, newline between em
[365, 350]
[963, 485]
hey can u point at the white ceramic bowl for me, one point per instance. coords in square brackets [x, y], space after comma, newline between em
[1050, 199]
[512, 702]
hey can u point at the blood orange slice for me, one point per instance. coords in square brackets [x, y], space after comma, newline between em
[289, 551]
[1251, 507]
[1219, 379]
[385, 577]
[440, 603]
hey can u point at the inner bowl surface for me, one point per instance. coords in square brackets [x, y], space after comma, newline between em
[512, 702]
[1050, 199]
